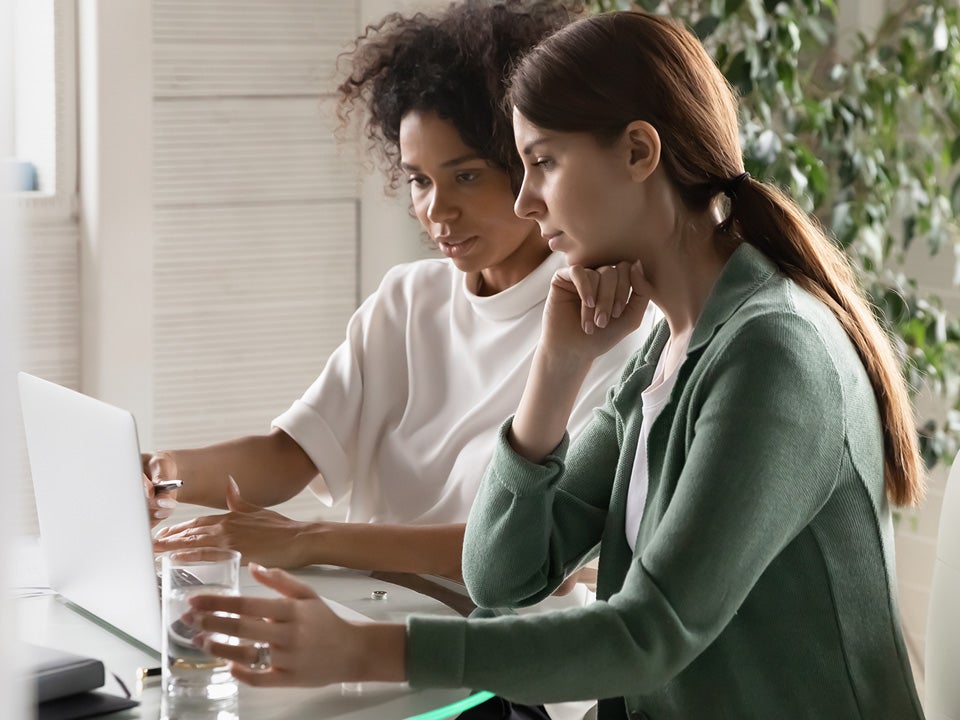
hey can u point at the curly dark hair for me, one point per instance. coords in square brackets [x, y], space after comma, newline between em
[455, 64]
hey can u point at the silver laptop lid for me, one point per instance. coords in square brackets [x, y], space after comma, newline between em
[94, 529]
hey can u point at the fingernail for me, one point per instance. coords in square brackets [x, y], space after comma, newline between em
[166, 503]
[617, 309]
[188, 618]
[257, 567]
[601, 320]
[588, 327]
[590, 302]
[162, 514]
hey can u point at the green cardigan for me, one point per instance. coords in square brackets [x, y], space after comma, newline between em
[762, 584]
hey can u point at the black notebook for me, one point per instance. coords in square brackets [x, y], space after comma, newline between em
[66, 684]
[59, 674]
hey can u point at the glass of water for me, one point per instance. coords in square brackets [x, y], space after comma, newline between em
[189, 673]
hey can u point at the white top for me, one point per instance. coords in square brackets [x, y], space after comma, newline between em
[406, 410]
[654, 399]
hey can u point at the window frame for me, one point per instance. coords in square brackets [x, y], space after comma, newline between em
[59, 204]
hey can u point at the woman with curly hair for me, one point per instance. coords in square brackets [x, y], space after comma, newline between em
[403, 417]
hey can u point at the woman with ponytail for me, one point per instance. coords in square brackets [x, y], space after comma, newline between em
[739, 479]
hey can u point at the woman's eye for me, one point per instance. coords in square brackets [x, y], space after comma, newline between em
[418, 181]
[467, 176]
[543, 162]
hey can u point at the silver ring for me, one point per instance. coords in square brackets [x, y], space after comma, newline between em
[263, 660]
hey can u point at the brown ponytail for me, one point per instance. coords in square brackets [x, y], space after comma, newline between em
[774, 224]
[602, 73]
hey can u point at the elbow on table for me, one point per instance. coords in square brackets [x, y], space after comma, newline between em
[490, 588]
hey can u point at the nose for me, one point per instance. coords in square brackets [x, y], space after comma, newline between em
[441, 208]
[528, 203]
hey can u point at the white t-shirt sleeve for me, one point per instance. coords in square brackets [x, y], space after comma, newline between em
[354, 386]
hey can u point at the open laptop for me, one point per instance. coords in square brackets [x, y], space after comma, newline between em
[94, 528]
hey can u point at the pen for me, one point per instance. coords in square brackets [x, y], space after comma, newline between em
[166, 485]
[145, 675]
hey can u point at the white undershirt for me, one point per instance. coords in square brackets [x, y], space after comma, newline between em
[654, 399]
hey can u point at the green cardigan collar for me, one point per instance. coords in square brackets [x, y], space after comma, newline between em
[745, 271]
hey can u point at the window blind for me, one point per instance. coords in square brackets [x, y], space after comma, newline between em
[255, 214]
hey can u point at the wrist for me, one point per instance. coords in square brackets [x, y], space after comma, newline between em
[381, 652]
[310, 543]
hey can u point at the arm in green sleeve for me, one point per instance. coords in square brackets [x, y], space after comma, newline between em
[532, 524]
[767, 444]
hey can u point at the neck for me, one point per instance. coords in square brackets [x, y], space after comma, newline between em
[514, 268]
[682, 275]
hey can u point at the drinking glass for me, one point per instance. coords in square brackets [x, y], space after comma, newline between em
[188, 672]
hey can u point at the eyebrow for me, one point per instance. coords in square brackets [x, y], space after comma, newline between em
[449, 163]
[528, 148]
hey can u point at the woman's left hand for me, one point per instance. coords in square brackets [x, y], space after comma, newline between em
[588, 311]
[309, 644]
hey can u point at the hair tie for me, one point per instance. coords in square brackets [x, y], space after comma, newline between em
[733, 185]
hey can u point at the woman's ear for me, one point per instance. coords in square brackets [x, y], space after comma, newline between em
[643, 144]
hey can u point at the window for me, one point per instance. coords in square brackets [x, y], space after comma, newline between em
[43, 148]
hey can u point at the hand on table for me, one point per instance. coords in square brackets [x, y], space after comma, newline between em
[309, 644]
[262, 536]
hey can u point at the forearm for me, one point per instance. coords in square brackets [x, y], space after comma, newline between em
[424, 550]
[268, 469]
[548, 399]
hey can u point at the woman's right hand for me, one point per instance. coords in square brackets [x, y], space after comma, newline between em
[589, 311]
[156, 467]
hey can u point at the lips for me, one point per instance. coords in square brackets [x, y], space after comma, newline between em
[553, 239]
[456, 247]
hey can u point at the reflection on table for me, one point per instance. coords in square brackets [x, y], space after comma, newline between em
[45, 619]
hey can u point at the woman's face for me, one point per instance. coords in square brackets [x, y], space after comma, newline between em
[582, 194]
[464, 203]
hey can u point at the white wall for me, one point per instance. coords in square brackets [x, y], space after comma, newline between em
[382, 246]
[116, 210]
[12, 696]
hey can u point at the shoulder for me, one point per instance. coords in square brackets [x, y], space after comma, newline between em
[411, 272]
[783, 335]
[431, 277]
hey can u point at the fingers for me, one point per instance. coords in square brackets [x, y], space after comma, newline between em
[242, 657]
[640, 297]
[567, 586]
[605, 292]
[278, 610]
[586, 282]
[638, 281]
[239, 626]
[260, 678]
[190, 540]
[622, 293]
[187, 525]
[607, 287]
[281, 581]
[158, 507]
[235, 501]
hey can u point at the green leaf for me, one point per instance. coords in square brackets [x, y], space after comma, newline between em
[731, 7]
[705, 26]
[648, 5]
[955, 150]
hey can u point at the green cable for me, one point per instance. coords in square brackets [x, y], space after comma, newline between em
[452, 709]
